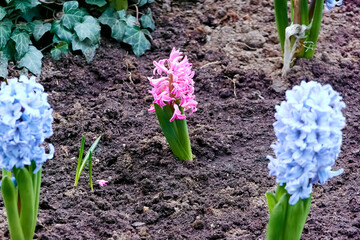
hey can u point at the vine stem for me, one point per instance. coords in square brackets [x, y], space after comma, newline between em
[47, 47]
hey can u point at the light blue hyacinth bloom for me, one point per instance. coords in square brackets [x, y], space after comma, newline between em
[308, 128]
[25, 122]
[332, 3]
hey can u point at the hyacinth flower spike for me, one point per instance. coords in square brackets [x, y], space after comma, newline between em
[308, 127]
[173, 96]
[25, 122]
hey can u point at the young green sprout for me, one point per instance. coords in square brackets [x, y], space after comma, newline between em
[82, 162]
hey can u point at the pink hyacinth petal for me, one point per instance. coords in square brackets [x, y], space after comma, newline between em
[151, 109]
[160, 67]
[102, 183]
[175, 84]
[177, 114]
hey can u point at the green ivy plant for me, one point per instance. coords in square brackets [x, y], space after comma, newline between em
[23, 24]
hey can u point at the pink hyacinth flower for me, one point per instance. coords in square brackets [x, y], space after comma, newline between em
[102, 183]
[175, 86]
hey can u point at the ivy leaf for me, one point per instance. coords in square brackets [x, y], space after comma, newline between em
[28, 27]
[3, 65]
[72, 14]
[9, 51]
[99, 3]
[62, 48]
[86, 47]
[25, 5]
[88, 29]
[143, 2]
[61, 31]
[22, 41]
[2, 13]
[147, 20]
[108, 17]
[122, 14]
[32, 60]
[31, 13]
[118, 30]
[5, 32]
[147, 33]
[135, 37]
[130, 20]
[40, 29]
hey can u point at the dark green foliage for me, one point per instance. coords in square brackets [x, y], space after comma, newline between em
[74, 26]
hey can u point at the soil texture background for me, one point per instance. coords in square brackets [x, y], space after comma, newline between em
[237, 61]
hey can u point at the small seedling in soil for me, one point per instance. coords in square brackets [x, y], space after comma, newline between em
[308, 127]
[82, 162]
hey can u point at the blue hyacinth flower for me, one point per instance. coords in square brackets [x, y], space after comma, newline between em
[330, 4]
[308, 128]
[25, 122]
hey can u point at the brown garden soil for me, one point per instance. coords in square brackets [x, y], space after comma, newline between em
[221, 194]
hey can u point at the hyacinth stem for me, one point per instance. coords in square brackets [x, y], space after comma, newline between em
[308, 51]
[176, 132]
[9, 195]
[286, 221]
[281, 18]
[297, 11]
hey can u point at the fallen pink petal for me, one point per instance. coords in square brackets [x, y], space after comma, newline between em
[102, 183]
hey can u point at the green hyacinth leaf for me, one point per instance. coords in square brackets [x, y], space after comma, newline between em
[26, 192]
[175, 132]
[277, 219]
[309, 48]
[10, 201]
[281, 19]
[271, 201]
[295, 219]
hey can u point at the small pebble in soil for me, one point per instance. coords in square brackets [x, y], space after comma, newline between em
[198, 224]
